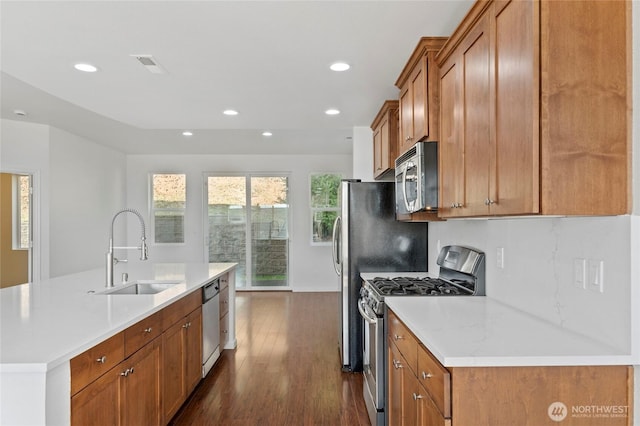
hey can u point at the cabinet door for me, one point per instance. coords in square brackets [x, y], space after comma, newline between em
[465, 148]
[515, 184]
[99, 403]
[420, 102]
[193, 348]
[394, 391]
[477, 116]
[377, 152]
[427, 414]
[406, 119]
[141, 387]
[173, 360]
[451, 155]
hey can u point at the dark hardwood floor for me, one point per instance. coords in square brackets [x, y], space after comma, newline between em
[285, 370]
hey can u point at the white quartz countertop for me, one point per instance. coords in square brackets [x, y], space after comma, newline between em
[45, 324]
[478, 331]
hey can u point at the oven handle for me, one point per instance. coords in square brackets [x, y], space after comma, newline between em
[363, 313]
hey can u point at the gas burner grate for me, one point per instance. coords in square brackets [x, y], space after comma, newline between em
[399, 286]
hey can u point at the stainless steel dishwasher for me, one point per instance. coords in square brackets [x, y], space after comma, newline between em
[210, 325]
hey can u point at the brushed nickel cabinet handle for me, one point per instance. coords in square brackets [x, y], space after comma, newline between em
[426, 375]
[397, 337]
[397, 364]
[416, 396]
[148, 330]
[102, 359]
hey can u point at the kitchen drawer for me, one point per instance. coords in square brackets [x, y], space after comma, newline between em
[404, 340]
[436, 380]
[94, 362]
[224, 302]
[181, 308]
[142, 333]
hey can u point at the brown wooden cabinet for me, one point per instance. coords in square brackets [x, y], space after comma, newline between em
[128, 394]
[181, 352]
[419, 95]
[143, 374]
[385, 140]
[421, 391]
[411, 393]
[534, 110]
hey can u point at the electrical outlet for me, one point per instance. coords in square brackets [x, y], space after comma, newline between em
[595, 275]
[579, 272]
[500, 257]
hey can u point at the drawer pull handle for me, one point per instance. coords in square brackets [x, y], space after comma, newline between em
[102, 359]
[148, 330]
[426, 375]
[187, 325]
[396, 364]
[396, 337]
[416, 397]
[126, 372]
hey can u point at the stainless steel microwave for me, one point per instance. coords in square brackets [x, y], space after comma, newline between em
[417, 179]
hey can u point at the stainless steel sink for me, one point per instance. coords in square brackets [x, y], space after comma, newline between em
[141, 287]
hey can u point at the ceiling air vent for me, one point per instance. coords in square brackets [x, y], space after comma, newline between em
[149, 63]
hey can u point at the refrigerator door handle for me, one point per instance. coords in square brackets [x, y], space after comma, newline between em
[336, 245]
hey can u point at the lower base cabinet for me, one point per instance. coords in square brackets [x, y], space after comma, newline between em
[423, 392]
[149, 385]
[182, 361]
[128, 394]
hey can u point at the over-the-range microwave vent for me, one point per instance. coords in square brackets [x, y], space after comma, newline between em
[417, 149]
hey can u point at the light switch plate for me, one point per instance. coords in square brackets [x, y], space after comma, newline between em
[500, 257]
[579, 272]
[595, 275]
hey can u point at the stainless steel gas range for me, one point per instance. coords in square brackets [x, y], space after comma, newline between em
[462, 273]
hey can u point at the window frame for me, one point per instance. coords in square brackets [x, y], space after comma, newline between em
[313, 210]
[16, 212]
[153, 210]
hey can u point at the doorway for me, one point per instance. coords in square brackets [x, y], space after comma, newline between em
[257, 238]
[16, 227]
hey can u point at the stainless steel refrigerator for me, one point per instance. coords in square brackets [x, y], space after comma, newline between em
[367, 238]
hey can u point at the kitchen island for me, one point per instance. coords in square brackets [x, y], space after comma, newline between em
[44, 325]
[474, 360]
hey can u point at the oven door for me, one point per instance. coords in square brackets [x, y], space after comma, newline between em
[373, 357]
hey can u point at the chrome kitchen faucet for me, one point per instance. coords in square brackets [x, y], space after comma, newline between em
[111, 260]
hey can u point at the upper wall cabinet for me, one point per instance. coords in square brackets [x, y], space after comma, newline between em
[419, 95]
[385, 140]
[535, 110]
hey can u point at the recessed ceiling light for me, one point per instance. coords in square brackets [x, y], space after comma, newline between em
[230, 112]
[332, 111]
[187, 133]
[267, 134]
[340, 66]
[85, 67]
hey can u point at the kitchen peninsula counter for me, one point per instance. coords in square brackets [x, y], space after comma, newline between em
[43, 325]
[482, 332]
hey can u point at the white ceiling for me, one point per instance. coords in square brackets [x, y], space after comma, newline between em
[267, 59]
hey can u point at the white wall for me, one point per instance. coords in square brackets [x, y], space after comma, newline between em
[310, 266]
[363, 154]
[24, 147]
[78, 184]
[87, 188]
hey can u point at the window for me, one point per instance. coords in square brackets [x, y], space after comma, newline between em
[324, 205]
[168, 203]
[257, 236]
[21, 189]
